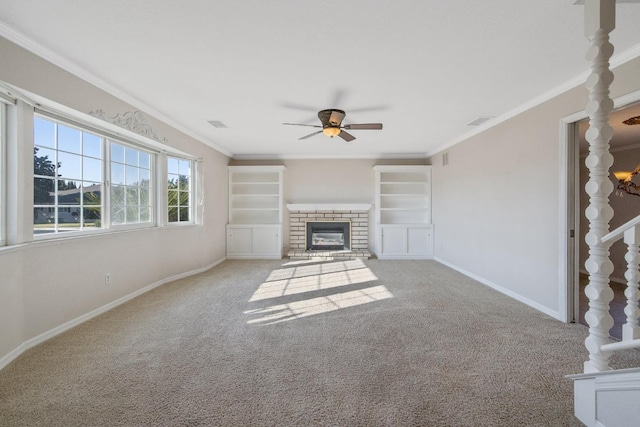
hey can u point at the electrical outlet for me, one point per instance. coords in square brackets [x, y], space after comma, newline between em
[107, 279]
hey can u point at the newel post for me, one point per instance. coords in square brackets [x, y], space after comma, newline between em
[631, 330]
[599, 22]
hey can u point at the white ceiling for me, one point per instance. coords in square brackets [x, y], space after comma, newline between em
[423, 68]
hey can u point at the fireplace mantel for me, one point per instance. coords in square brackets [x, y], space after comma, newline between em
[329, 206]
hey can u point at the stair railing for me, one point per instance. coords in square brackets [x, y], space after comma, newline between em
[630, 233]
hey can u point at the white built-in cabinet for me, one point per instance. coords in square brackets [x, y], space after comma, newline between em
[403, 212]
[255, 212]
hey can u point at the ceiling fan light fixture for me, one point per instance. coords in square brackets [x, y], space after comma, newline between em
[331, 131]
[632, 121]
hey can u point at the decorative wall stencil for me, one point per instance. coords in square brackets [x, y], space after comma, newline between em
[133, 121]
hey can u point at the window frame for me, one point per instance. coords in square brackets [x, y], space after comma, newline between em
[107, 138]
[192, 192]
[59, 207]
[3, 174]
[153, 162]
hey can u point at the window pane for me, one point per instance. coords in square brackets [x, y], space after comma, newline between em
[185, 167]
[145, 214]
[91, 145]
[117, 174]
[173, 214]
[92, 217]
[131, 175]
[92, 193]
[117, 197]
[145, 200]
[131, 156]
[172, 198]
[44, 132]
[43, 220]
[117, 215]
[184, 214]
[43, 191]
[184, 182]
[184, 198]
[132, 214]
[145, 178]
[43, 161]
[132, 196]
[91, 169]
[69, 165]
[172, 182]
[145, 160]
[69, 139]
[68, 215]
[117, 153]
[69, 192]
[173, 166]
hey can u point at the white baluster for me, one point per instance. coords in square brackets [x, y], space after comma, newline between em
[630, 330]
[599, 22]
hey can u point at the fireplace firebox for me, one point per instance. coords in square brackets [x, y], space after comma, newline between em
[328, 235]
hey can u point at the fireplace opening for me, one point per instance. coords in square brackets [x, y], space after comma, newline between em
[328, 235]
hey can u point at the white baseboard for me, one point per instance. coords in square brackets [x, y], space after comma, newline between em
[15, 353]
[518, 297]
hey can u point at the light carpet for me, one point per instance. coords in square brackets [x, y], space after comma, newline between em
[280, 343]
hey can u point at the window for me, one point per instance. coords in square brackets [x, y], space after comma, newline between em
[131, 189]
[179, 190]
[68, 176]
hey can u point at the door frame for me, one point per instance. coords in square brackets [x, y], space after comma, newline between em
[570, 209]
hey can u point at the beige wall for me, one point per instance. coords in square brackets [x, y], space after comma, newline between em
[46, 284]
[496, 206]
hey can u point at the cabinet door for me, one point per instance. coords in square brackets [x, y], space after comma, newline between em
[266, 241]
[419, 241]
[239, 241]
[394, 240]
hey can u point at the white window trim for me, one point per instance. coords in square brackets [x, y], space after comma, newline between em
[194, 194]
[3, 174]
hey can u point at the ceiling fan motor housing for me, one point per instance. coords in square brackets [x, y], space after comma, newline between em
[326, 116]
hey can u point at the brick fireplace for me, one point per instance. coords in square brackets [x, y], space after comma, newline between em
[357, 215]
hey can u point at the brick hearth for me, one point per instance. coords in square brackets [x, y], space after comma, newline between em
[356, 214]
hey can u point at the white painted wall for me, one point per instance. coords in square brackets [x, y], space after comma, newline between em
[46, 284]
[496, 206]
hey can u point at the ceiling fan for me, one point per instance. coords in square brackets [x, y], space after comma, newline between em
[331, 120]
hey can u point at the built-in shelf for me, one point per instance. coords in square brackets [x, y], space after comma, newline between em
[255, 212]
[403, 212]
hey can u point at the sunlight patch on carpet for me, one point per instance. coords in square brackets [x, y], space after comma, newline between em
[295, 310]
[309, 278]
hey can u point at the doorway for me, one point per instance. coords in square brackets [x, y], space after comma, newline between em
[625, 148]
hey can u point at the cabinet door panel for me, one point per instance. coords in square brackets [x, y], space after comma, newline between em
[266, 241]
[239, 241]
[394, 240]
[418, 241]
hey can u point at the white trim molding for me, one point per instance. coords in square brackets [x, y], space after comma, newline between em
[329, 206]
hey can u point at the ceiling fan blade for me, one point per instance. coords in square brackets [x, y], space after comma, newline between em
[346, 136]
[310, 135]
[336, 117]
[300, 124]
[361, 126]
[298, 106]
